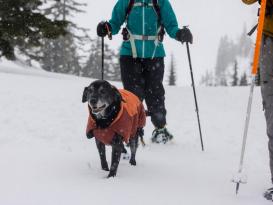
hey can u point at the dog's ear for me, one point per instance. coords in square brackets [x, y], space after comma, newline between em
[84, 95]
[117, 95]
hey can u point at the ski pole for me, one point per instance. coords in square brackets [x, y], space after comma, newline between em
[109, 34]
[238, 180]
[256, 58]
[195, 96]
[102, 58]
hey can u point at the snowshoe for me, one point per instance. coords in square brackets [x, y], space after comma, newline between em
[268, 194]
[161, 135]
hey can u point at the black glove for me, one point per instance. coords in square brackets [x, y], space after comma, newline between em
[104, 28]
[184, 35]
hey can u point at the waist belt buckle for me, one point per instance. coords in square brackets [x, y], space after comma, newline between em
[145, 38]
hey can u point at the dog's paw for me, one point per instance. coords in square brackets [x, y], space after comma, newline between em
[111, 174]
[105, 167]
[133, 162]
[89, 135]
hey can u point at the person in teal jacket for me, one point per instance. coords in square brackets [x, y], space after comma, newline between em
[142, 52]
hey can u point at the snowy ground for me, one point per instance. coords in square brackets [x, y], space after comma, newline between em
[46, 159]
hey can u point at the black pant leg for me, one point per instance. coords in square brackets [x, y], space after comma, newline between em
[154, 90]
[266, 73]
[132, 76]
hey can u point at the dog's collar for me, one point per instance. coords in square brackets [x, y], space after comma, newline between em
[112, 112]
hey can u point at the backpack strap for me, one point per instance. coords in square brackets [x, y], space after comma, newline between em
[128, 36]
[129, 9]
[269, 12]
[157, 10]
[155, 5]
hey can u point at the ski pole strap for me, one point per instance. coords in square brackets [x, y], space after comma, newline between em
[252, 30]
[109, 33]
[256, 26]
[269, 12]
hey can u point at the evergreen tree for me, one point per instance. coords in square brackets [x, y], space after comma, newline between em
[24, 25]
[226, 54]
[172, 76]
[245, 43]
[93, 66]
[62, 54]
[223, 80]
[228, 51]
[66, 10]
[243, 80]
[207, 79]
[235, 74]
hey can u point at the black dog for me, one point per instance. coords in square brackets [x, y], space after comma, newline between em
[105, 103]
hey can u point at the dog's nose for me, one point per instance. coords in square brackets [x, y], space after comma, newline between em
[93, 101]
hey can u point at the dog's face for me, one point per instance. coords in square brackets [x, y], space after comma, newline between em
[99, 95]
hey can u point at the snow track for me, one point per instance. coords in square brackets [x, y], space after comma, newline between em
[45, 157]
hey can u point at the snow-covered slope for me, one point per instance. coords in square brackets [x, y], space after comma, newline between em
[45, 157]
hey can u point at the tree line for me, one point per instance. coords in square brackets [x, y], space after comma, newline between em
[233, 63]
[43, 32]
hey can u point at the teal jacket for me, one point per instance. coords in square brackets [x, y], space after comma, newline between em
[143, 20]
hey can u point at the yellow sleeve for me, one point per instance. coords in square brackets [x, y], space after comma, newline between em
[249, 1]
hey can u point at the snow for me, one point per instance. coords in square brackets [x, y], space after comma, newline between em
[45, 157]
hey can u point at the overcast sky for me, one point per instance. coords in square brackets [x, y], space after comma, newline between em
[208, 21]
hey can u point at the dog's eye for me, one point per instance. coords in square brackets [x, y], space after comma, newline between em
[91, 90]
[102, 91]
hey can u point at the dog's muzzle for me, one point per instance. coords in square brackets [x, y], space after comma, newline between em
[97, 109]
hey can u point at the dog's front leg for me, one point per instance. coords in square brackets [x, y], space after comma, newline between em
[101, 149]
[117, 147]
[133, 146]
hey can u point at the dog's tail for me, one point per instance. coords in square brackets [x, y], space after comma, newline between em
[142, 141]
[140, 133]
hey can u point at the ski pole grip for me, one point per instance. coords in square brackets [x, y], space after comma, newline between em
[109, 33]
